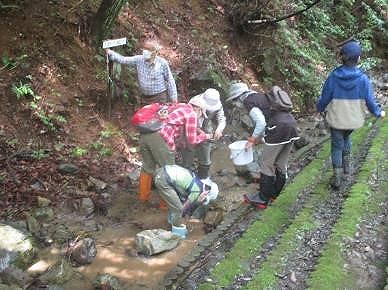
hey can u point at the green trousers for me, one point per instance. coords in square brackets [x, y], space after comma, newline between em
[170, 196]
[154, 152]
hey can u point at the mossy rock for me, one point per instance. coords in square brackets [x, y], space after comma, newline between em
[208, 78]
[43, 213]
[11, 287]
[58, 274]
[106, 281]
[17, 247]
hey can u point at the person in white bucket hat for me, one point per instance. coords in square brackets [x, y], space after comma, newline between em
[212, 100]
[183, 192]
[213, 122]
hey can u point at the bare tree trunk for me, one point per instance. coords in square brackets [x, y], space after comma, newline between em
[104, 20]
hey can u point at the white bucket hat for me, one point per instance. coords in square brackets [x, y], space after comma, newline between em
[198, 101]
[212, 100]
[236, 90]
[213, 192]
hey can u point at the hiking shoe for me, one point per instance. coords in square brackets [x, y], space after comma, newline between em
[248, 197]
[255, 200]
[260, 205]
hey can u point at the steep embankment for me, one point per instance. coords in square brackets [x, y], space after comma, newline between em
[53, 84]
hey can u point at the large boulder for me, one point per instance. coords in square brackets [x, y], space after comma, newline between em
[151, 242]
[16, 248]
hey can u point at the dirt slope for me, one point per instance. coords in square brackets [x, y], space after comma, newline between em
[45, 44]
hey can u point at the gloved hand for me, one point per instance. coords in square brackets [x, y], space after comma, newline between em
[382, 115]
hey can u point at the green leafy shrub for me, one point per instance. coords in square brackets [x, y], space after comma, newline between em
[40, 108]
[22, 90]
[108, 132]
[11, 63]
[302, 50]
[78, 152]
[40, 154]
[101, 149]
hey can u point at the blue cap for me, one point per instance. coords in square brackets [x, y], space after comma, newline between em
[351, 50]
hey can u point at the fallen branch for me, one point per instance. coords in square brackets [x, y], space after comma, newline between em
[271, 21]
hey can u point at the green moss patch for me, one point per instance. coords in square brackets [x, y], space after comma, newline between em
[272, 219]
[362, 203]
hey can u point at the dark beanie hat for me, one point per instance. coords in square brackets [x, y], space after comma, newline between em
[351, 50]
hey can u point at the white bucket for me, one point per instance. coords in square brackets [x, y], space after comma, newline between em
[239, 154]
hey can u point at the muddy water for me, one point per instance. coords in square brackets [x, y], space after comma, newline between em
[115, 233]
[139, 272]
[116, 254]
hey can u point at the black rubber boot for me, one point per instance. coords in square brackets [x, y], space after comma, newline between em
[261, 198]
[336, 179]
[280, 181]
[267, 186]
[203, 171]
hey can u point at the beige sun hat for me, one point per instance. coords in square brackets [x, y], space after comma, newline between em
[236, 90]
[198, 101]
[212, 100]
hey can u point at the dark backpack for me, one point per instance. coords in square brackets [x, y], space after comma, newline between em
[279, 100]
[150, 118]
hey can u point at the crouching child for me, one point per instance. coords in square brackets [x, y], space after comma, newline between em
[183, 192]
